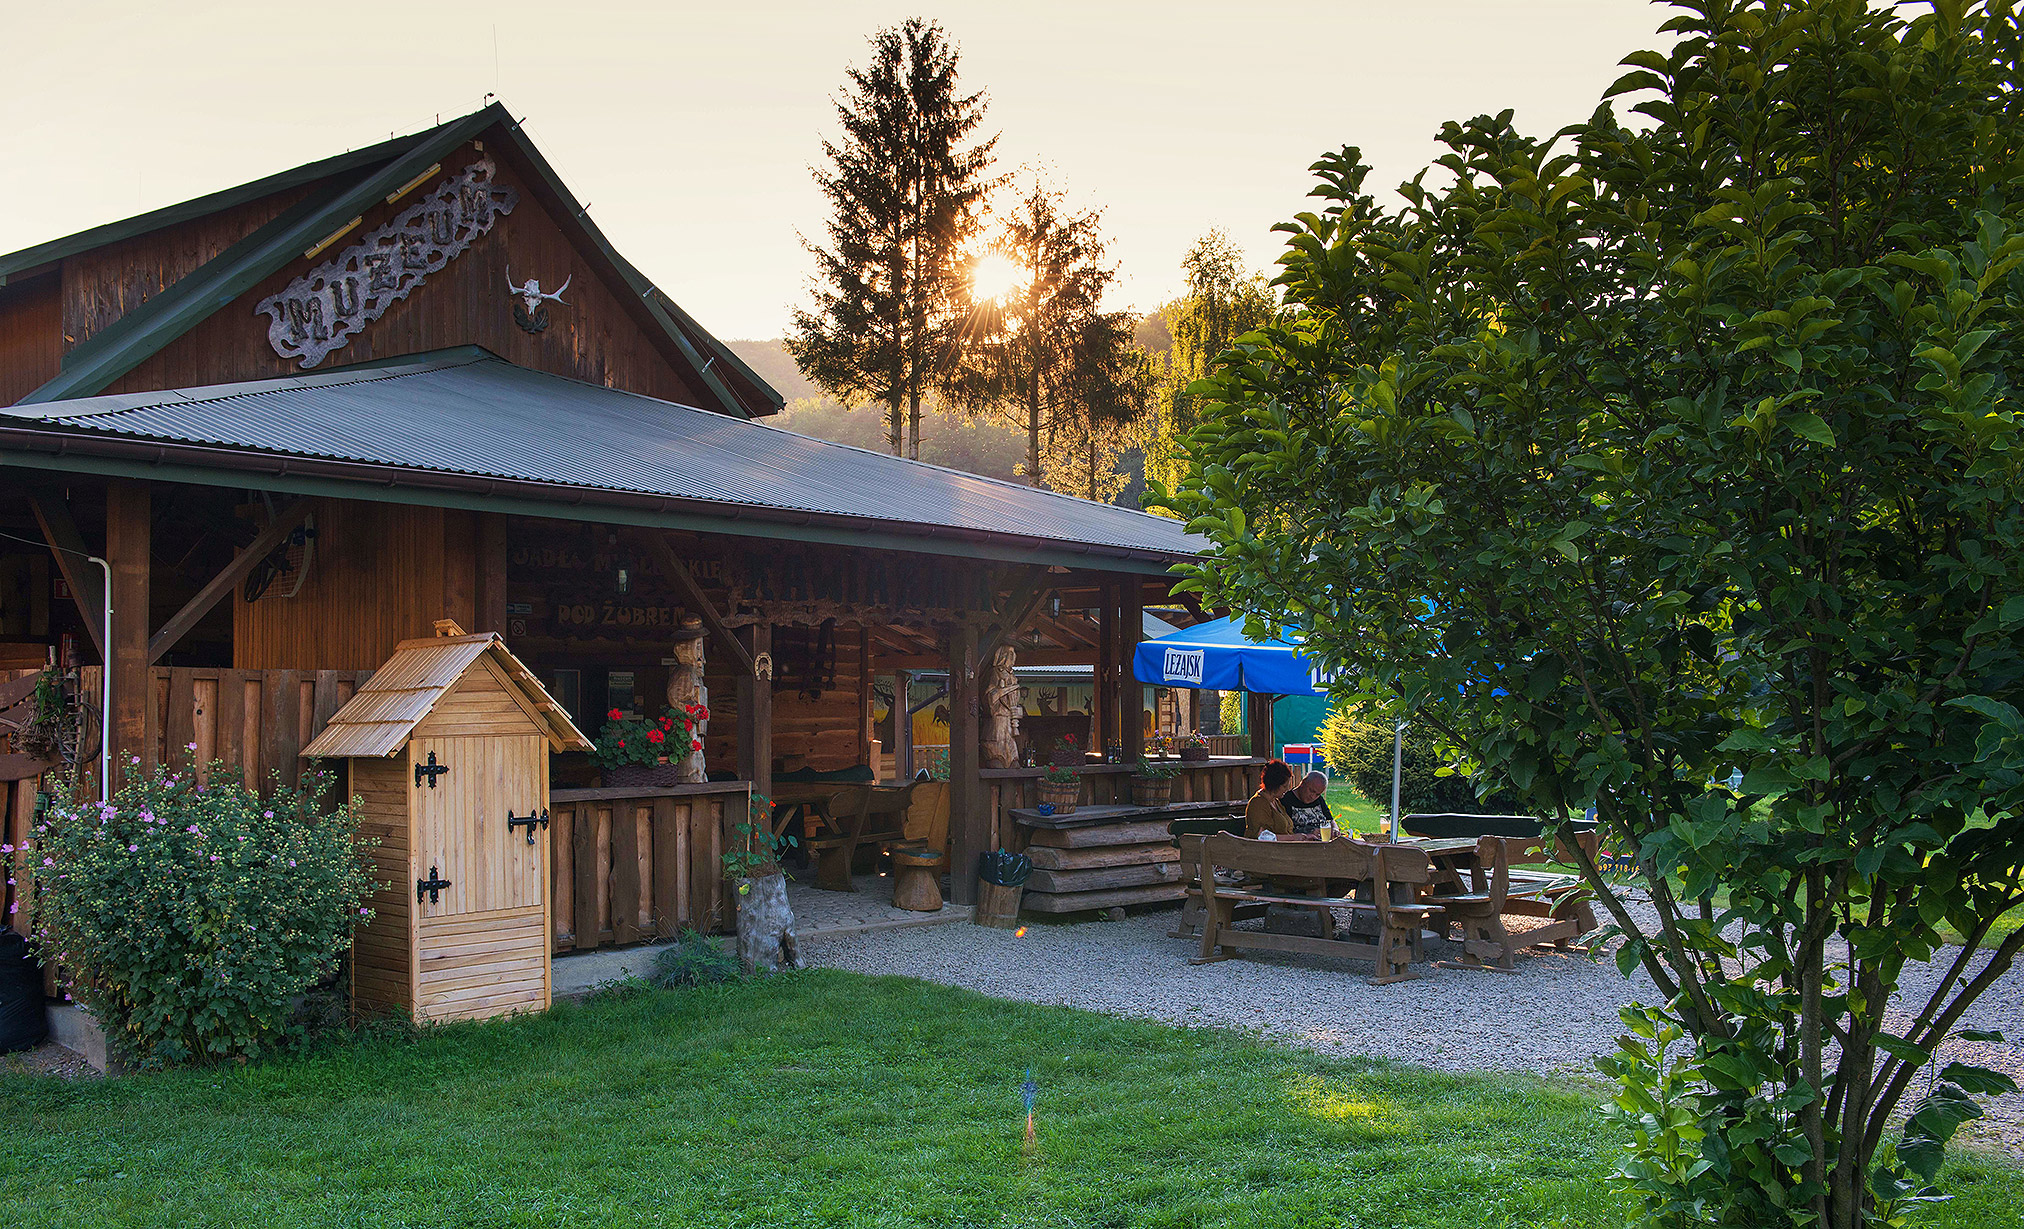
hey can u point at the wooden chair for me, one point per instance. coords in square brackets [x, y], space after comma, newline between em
[1188, 836]
[1392, 872]
[867, 815]
[1496, 891]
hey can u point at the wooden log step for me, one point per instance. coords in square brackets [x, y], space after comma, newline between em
[1075, 902]
[1136, 833]
[1049, 858]
[1103, 877]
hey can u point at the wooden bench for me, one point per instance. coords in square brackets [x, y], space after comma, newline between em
[1393, 874]
[1496, 891]
[1188, 836]
[867, 815]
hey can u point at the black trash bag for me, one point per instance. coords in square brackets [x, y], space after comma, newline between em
[23, 1021]
[1004, 868]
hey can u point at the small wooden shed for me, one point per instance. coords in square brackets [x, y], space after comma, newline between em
[447, 744]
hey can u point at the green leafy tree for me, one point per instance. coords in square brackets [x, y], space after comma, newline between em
[1045, 357]
[1224, 301]
[1649, 453]
[906, 194]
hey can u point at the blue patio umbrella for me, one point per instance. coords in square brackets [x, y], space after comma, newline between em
[1217, 656]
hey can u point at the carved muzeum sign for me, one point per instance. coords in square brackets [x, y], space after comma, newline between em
[319, 311]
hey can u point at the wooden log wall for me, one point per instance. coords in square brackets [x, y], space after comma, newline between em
[630, 865]
[380, 574]
[824, 733]
[1232, 779]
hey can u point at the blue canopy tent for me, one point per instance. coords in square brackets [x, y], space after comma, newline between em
[1217, 656]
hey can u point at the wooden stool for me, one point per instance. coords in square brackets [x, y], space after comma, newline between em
[917, 880]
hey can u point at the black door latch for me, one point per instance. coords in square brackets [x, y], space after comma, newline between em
[432, 885]
[431, 770]
[530, 819]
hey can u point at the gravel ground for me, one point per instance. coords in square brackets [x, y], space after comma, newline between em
[1552, 1016]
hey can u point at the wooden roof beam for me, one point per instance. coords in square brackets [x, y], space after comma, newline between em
[672, 567]
[211, 594]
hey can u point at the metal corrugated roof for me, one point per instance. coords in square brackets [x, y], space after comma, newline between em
[471, 413]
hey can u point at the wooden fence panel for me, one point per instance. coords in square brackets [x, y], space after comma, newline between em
[630, 865]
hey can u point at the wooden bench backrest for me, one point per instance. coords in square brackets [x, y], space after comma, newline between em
[870, 800]
[1523, 850]
[1315, 859]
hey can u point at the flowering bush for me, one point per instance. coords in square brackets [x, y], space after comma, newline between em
[644, 740]
[188, 917]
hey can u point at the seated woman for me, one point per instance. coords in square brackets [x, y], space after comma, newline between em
[1266, 812]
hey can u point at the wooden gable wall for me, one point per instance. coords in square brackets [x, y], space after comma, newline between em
[601, 336]
[595, 338]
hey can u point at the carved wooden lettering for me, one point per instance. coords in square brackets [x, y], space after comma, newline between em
[319, 311]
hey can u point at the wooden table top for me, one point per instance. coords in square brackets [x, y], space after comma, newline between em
[1083, 817]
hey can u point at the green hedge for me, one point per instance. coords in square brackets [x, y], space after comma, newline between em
[1360, 751]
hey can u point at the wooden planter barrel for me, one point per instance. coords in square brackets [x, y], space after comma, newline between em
[1152, 791]
[998, 905]
[1063, 798]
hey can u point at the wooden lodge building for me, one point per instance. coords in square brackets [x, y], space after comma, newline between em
[304, 419]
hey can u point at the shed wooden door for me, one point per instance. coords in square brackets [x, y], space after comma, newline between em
[484, 943]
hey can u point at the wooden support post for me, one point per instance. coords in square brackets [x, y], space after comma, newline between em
[865, 731]
[1258, 720]
[969, 810]
[491, 573]
[127, 532]
[755, 711]
[903, 725]
[1131, 628]
[1103, 726]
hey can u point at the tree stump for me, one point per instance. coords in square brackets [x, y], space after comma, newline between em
[766, 940]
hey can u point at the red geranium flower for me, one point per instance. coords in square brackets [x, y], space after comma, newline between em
[667, 723]
[621, 742]
[615, 715]
[655, 736]
[695, 744]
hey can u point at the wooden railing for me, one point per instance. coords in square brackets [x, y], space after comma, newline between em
[1217, 779]
[1228, 744]
[629, 865]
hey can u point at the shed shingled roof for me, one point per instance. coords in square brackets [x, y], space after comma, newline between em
[400, 695]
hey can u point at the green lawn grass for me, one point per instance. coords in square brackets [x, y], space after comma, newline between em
[823, 1098]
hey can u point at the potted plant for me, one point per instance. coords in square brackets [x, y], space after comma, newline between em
[643, 751]
[1153, 784]
[1068, 754]
[1061, 788]
[1194, 748]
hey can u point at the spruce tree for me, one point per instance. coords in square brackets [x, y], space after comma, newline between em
[905, 194]
[1047, 359]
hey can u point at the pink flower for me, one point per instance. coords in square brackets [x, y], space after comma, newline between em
[242, 838]
[16, 908]
[365, 913]
[133, 849]
[193, 828]
[291, 862]
[216, 858]
[49, 862]
[267, 814]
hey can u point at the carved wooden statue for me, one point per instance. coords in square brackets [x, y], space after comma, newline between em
[685, 687]
[1002, 709]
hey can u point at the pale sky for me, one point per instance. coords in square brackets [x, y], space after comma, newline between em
[689, 128]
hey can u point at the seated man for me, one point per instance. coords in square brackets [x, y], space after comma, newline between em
[1307, 805]
[1266, 812]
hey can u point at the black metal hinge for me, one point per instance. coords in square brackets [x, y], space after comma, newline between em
[530, 819]
[431, 770]
[432, 885]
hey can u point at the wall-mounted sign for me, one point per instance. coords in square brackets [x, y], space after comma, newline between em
[319, 311]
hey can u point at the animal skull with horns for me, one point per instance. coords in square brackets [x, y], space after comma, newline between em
[531, 295]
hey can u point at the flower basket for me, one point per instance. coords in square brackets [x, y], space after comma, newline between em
[638, 776]
[1062, 798]
[1194, 755]
[1152, 791]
